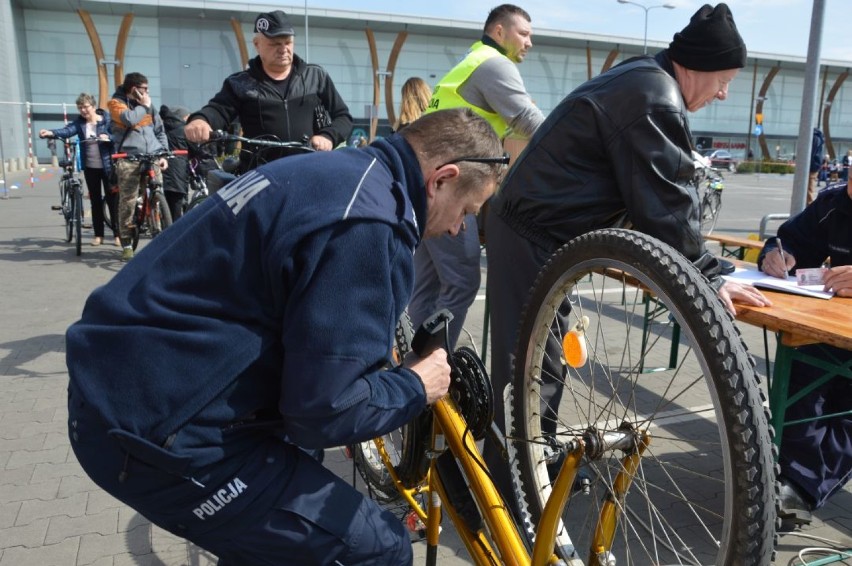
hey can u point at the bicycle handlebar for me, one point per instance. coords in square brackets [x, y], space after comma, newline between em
[162, 154]
[220, 136]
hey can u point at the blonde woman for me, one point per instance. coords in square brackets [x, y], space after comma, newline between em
[415, 98]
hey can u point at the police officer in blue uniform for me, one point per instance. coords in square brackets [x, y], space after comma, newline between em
[815, 457]
[193, 385]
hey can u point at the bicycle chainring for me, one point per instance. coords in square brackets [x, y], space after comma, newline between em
[471, 390]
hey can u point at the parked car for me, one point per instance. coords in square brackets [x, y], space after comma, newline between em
[721, 159]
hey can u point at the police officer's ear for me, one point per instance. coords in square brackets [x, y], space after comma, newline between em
[439, 177]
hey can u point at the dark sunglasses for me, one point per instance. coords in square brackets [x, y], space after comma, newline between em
[502, 160]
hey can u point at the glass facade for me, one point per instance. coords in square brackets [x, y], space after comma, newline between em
[187, 54]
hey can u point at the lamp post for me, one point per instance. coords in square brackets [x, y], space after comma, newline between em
[647, 9]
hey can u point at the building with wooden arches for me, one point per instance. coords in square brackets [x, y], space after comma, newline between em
[54, 49]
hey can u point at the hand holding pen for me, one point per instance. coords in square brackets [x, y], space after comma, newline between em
[777, 265]
[783, 257]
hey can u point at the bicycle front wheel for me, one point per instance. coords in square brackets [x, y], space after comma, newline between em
[196, 200]
[67, 210]
[710, 207]
[624, 346]
[160, 217]
[77, 208]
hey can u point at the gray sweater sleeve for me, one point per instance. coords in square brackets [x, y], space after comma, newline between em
[496, 86]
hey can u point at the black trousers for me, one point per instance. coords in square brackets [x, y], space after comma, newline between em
[99, 190]
[513, 265]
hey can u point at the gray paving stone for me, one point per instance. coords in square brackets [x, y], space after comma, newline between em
[56, 402]
[129, 519]
[95, 547]
[13, 385]
[30, 443]
[100, 500]
[74, 506]
[30, 429]
[12, 405]
[69, 485]
[61, 528]
[4, 457]
[8, 513]
[44, 491]
[55, 439]
[174, 550]
[20, 458]
[30, 535]
[190, 555]
[44, 472]
[61, 554]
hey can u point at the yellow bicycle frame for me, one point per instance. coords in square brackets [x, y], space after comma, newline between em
[450, 431]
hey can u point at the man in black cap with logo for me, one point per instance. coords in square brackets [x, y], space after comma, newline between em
[615, 153]
[279, 95]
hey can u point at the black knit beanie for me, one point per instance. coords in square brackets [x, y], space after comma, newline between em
[710, 42]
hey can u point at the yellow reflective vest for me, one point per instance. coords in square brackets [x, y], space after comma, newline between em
[447, 95]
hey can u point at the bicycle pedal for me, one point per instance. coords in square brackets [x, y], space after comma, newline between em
[414, 523]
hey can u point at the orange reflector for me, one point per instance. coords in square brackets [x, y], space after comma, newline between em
[574, 344]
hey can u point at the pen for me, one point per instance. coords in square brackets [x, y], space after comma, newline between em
[783, 257]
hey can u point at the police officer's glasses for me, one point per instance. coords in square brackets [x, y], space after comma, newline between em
[502, 160]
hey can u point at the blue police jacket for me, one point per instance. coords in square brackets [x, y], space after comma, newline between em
[820, 231]
[272, 305]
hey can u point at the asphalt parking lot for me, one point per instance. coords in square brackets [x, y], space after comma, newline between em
[52, 514]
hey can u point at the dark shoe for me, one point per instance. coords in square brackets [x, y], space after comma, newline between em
[793, 509]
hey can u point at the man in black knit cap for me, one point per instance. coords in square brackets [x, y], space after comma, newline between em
[615, 153]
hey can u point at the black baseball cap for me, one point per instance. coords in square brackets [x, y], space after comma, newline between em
[273, 24]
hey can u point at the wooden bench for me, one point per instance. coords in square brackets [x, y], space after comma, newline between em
[734, 246]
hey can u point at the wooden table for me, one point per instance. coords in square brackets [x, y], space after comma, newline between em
[798, 321]
[734, 246]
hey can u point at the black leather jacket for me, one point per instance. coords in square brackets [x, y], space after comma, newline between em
[250, 98]
[616, 152]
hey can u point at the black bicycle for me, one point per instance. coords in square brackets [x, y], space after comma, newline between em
[711, 200]
[71, 195]
[152, 214]
[709, 184]
[198, 190]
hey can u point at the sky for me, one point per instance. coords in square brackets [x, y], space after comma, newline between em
[767, 26]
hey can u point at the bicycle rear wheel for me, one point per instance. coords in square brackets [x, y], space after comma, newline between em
[406, 447]
[77, 214]
[160, 217]
[665, 365]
